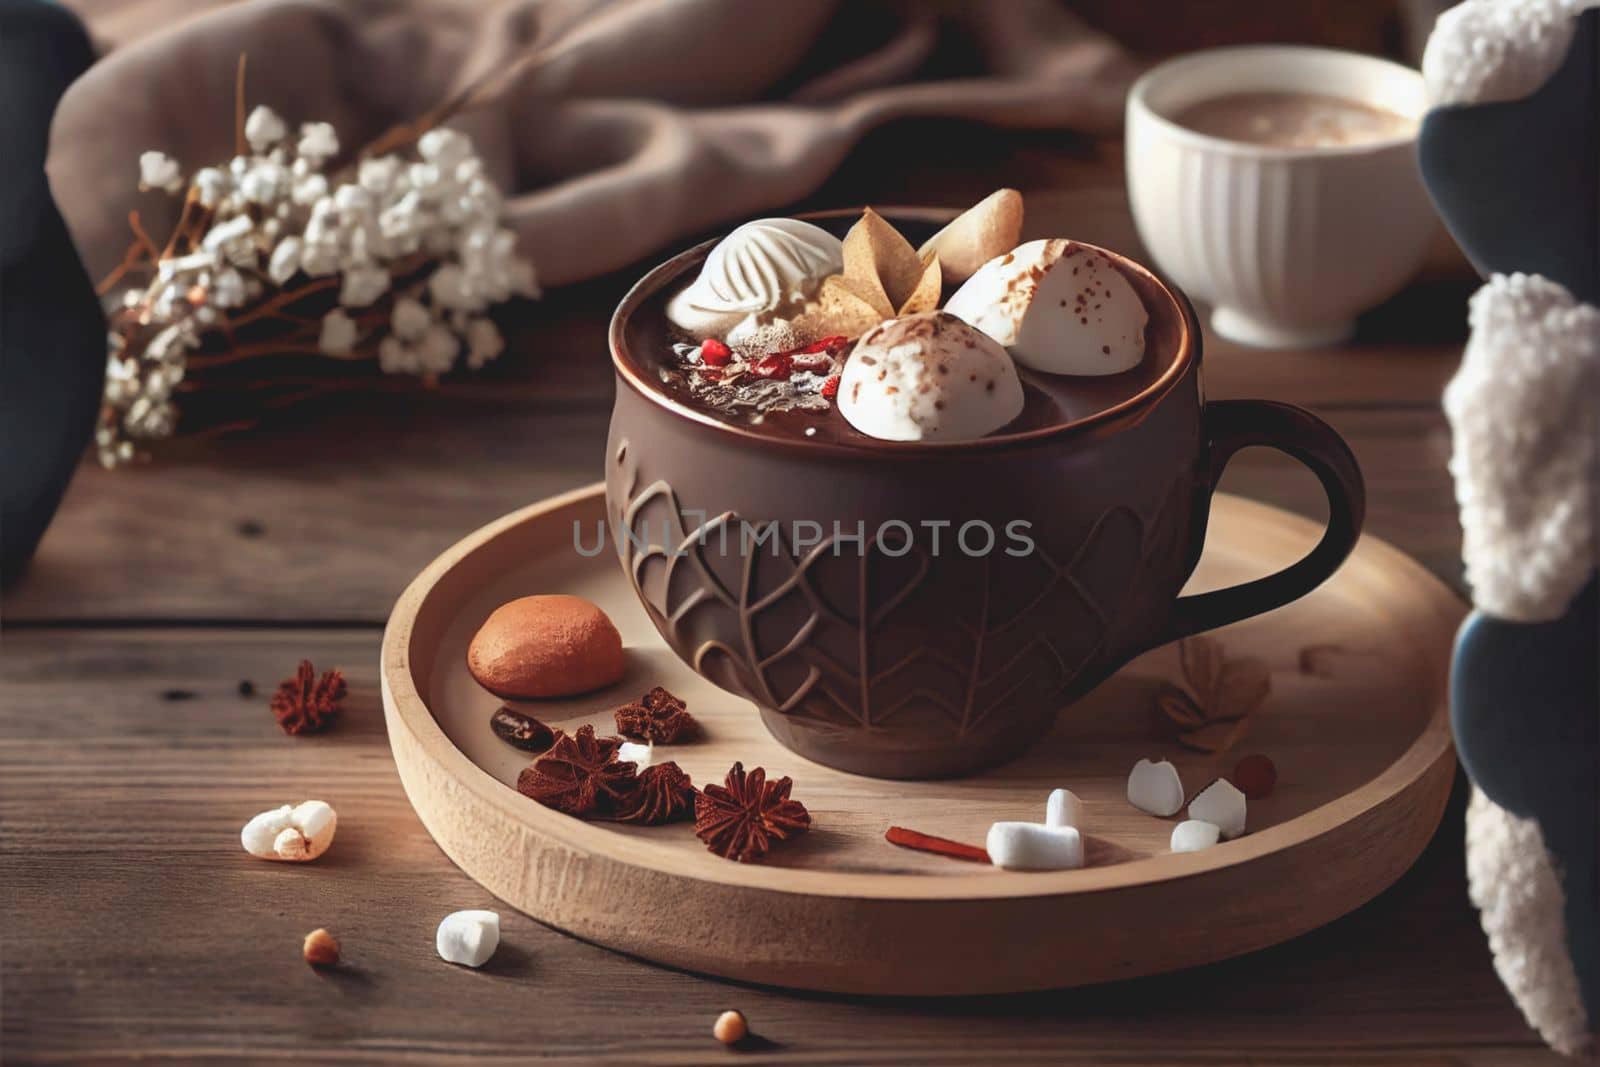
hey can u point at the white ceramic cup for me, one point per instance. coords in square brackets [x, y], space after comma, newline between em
[1288, 245]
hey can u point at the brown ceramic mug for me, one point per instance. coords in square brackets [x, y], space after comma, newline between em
[892, 656]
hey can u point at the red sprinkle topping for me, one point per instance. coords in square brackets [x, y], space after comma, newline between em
[831, 345]
[713, 353]
[830, 388]
[776, 367]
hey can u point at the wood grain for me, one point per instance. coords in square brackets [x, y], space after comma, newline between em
[316, 539]
[137, 928]
[1363, 755]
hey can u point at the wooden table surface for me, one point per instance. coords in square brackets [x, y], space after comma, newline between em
[136, 928]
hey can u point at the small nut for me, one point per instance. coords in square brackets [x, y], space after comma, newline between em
[321, 949]
[730, 1028]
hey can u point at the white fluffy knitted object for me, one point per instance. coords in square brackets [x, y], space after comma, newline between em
[1486, 50]
[1518, 894]
[1522, 410]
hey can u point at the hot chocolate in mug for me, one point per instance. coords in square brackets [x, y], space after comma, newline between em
[917, 609]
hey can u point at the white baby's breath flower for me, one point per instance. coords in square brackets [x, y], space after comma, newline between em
[437, 349]
[133, 297]
[397, 357]
[319, 258]
[285, 260]
[227, 233]
[378, 175]
[444, 146]
[483, 342]
[318, 141]
[238, 165]
[409, 319]
[363, 285]
[227, 289]
[211, 185]
[451, 288]
[352, 199]
[310, 189]
[338, 335]
[424, 177]
[264, 128]
[157, 170]
[468, 169]
[264, 182]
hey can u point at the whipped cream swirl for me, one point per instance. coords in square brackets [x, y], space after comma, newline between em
[762, 271]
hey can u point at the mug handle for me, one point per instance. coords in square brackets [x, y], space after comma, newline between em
[1230, 425]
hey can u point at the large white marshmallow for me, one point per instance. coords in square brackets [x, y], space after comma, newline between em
[468, 937]
[1221, 803]
[928, 377]
[763, 270]
[1029, 846]
[1155, 788]
[296, 833]
[1061, 308]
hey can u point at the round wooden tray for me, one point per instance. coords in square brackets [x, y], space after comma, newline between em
[1356, 723]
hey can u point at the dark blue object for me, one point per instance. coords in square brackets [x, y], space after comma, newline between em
[52, 330]
[1518, 184]
[1528, 729]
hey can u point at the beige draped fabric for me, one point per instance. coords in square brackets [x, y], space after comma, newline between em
[630, 124]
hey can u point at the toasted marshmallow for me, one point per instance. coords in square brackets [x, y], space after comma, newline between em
[1059, 306]
[764, 270]
[928, 377]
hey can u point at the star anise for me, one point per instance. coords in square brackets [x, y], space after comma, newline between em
[1213, 710]
[580, 775]
[663, 794]
[657, 716]
[740, 819]
[305, 703]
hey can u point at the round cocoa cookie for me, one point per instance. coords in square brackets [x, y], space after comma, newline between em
[545, 646]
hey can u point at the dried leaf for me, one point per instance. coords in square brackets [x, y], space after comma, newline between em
[1201, 659]
[1214, 712]
[1215, 737]
[841, 309]
[880, 263]
[1180, 707]
[1241, 689]
[925, 296]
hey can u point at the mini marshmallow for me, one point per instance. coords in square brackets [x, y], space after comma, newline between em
[1192, 835]
[468, 937]
[1028, 846]
[1155, 788]
[296, 834]
[638, 755]
[1063, 809]
[1220, 803]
